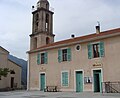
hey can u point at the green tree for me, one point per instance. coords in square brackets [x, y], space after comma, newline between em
[4, 72]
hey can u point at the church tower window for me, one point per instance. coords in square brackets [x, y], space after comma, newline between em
[47, 40]
[47, 22]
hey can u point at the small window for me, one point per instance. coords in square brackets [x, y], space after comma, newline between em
[42, 58]
[47, 22]
[47, 18]
[77, 47]
[12, 72]
[96, 48]
[64, 54]
[65, 79]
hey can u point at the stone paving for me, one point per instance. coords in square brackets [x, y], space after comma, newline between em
[39, 94]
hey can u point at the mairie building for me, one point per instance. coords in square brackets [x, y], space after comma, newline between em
[77, 64]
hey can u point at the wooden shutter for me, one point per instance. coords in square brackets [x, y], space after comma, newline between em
[64, 78]
[38, 58]
[102, 52]
[59, 55]
[90, 51]
[69, 54]
[46, 58]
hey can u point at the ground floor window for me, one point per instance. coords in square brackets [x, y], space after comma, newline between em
[65, 79]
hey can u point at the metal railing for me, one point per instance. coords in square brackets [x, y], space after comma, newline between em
[110, 87]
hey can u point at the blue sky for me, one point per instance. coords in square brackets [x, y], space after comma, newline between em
[77, 17]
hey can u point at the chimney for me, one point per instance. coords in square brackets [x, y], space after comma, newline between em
[98, 28]
[72, 36]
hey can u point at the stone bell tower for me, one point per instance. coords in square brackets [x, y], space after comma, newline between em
[42, 26]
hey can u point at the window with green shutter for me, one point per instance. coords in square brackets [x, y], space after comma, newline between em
[96, 50]
[64, 78]
[64, 55]
[42, 58]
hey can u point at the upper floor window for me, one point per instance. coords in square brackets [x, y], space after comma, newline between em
[64, 55]
[42, 58]
[96, 50]
[47, 22]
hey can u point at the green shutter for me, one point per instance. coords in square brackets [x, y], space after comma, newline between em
[69, 54]
[59, 55]
[90, 51]
[46, 58]
[102, 52]
[38, 58]
[64, 78]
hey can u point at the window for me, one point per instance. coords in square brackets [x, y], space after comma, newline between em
[65, 79]
[36, 22]
[47, 40]
[96, 50]
[77, 47]
[12, 72]
[42, 58]
[64, 55]
[47, 22]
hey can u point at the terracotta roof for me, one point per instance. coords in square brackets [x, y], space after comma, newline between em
[71, 40]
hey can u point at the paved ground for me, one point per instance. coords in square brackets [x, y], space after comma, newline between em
[38, 94]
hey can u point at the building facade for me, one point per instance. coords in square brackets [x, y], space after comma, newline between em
[76, 64]
[13, 79]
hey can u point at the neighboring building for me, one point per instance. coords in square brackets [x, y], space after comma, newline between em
[76, 64]
[13, 79]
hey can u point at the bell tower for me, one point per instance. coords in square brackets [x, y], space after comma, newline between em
[42, 25]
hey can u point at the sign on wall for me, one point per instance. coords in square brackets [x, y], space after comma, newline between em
[87, 80]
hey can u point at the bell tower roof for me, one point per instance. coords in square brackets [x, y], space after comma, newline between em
[43, 4]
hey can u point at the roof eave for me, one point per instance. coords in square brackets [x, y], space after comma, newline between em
[76, 42]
